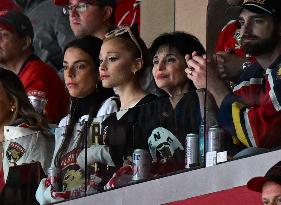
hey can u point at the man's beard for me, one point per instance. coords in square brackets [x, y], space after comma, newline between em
[262, 46]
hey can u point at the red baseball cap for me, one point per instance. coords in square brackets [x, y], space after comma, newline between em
[111, 3]
[273, 174]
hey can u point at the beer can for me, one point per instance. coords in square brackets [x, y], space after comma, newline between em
[192, 150]
[215, 139]
[54, 177]
[38, 103]
[141, 164]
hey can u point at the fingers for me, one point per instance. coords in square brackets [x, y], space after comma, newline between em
[194, 53]
[187, 58]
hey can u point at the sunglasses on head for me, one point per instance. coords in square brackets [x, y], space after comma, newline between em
[120, 30]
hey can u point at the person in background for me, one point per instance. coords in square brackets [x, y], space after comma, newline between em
[24, 134]
[51, 30]
[38, 78]
[179, 110]
[229, 37]
[88, 100]
[90, 17]
[252, 112]
[268, 185]
[231, 57]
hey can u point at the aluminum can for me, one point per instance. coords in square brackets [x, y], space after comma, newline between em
[38, 103]
[192, 150]
[215, 139]
[141, 164]
[54, 177]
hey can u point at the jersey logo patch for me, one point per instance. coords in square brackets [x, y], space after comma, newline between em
[14, 152]
[162, 141]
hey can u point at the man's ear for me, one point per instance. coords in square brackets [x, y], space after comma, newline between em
[27, 42]
[108, 12]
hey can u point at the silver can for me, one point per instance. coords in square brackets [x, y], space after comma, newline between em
[141, 164]
[38, 103]
[192, 150]
[215, 139]
[54, 177]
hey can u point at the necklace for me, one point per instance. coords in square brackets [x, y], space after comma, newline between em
[131, 103]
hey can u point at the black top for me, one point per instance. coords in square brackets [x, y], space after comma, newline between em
[153, 125]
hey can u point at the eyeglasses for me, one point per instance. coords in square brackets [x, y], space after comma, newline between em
[120, 30]
[79, 8]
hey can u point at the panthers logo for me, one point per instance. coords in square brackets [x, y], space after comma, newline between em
[72, 179]
[14, 152]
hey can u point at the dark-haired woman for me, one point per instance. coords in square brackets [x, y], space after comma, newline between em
[88, 100]
[179, 108]
[23, 132]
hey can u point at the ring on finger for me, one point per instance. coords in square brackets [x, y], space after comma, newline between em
[190, 72]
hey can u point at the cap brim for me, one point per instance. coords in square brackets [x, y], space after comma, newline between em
[236, 10]
[256, 9]
[257, 183]
[61, 2]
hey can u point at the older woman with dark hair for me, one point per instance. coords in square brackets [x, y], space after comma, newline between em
[179, 109]
[24, 133]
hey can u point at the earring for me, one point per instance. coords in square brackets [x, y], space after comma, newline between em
[13, 108]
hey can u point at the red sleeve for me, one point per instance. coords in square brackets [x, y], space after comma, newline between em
[256, 125]
[2, 182]
[38, 76]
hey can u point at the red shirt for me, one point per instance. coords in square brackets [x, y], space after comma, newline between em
[38, 76]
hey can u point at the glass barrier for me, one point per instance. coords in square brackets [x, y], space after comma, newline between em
[246, 93]
[132, 146]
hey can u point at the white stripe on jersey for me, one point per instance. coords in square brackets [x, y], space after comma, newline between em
[249, 129]
[272, 94]
[252, 81]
